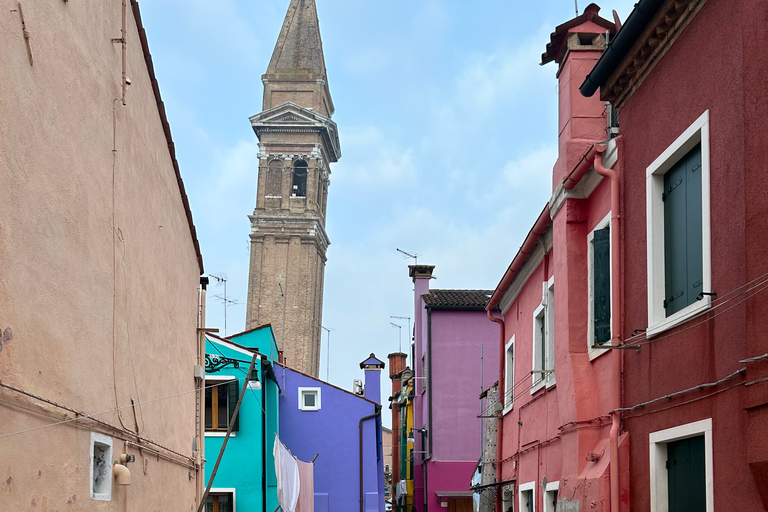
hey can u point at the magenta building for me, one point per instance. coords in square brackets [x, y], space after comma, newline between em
[455, 357]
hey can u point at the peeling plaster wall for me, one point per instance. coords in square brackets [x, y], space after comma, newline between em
[58, 263]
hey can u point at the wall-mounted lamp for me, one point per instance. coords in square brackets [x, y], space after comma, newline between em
[254, 382]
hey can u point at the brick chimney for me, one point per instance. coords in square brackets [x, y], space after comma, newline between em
[396, 367]
[575, 46]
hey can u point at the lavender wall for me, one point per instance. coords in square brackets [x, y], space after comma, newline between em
[332, 434]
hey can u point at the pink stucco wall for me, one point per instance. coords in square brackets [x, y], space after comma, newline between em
[65, 174]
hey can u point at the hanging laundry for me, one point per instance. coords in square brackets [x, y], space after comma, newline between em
[288, 480]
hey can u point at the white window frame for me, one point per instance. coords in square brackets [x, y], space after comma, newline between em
[105, 440]
[227, 490]
[528, 486]
[302, 391]
[549, 357]
[658, 454]
[549, 488]
[538, 379]
[545, 312]
[658, 322]
[597, 352]
[509, 376]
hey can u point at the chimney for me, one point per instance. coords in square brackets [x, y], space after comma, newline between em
[575, 46]
[372, 367]
[396, 365]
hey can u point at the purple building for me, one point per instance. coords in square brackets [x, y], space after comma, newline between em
[341, 431]
[456, 357]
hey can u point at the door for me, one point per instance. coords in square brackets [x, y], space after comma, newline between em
[459, 504]
[686, 475]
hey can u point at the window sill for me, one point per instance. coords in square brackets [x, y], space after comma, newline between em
[594, 353]
[507, 409]
[552, 384]
[678, 318]
[219, 434]
[537, 386]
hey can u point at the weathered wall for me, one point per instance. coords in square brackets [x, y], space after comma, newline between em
[92, 228]
[696, 74]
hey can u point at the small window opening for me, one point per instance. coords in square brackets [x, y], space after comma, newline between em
[309, 399]
[101, 467]
[274, 179]
[299, 187]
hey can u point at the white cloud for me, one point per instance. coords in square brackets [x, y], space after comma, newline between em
[372, 160]
[531, 173]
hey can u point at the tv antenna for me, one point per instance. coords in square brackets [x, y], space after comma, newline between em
[221, 278]
[327, 353]
[415, 256]
[410, 333]
[399, 335]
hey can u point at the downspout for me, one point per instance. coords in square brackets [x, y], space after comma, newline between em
[264, 435]
[429, 410]
[502, 390]
[615, 327]
[360, 435]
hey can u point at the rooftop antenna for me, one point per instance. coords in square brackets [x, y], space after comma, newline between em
[221, 278]
[576, 4]
[415, 256]
[399, 334]
[282, 329]
[410, 333]
[327, 353]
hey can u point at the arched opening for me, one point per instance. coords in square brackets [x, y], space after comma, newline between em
[299, 187]
[274, 179]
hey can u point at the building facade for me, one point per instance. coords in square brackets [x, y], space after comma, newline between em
[452, 367]
[297, 143]
[100, 281]
[695, 396]
[341, 433]
[253, 432]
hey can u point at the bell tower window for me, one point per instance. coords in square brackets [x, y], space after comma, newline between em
[299, 186]
[274, 179]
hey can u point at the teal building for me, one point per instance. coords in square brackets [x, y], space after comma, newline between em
[245, 480]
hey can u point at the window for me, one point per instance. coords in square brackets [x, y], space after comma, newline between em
[220, 403]
[275, 179]
[550, 496]
[220, 501]
[299, 187]
[678, 224]
[509, 376]
[544, 338]
[599, 284]
[681, 468]
[527, 502]
[309, 399]
[101, 467]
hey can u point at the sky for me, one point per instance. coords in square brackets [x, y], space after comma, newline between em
[448, 129]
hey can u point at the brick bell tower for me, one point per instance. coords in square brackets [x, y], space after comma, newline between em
[297, 143]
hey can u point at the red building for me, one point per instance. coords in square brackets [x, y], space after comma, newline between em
[689, 78]
[557, 449]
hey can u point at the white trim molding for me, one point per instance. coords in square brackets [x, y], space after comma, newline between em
[550, 487]
[307, 390]
[697, 133]
[596, 352]
[658, 455]
[227, 490]
[509, 376]
[528, 486]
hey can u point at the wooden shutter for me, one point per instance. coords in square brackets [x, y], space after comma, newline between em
[601, 285]
[686, 475]
[695, 265]
[234, 392]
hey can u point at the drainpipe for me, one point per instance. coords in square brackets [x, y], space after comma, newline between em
[615, 326]
[360, 427]
[264, 435]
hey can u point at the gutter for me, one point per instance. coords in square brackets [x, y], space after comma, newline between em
[360, 435]
[618, 48]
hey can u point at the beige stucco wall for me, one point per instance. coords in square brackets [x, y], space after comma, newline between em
[59, 267]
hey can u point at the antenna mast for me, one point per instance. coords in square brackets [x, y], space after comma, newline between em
[415, 256]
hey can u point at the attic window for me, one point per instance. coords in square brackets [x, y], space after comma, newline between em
[101, 467]
[299, 186]
[309, 399]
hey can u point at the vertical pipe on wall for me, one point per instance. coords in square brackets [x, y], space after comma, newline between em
[360, 436]
[615, 327]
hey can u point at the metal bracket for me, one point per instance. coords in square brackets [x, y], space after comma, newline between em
[215, 363]
[701, 295]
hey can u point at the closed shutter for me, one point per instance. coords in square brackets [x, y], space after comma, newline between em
[686, 475]
[601, 285]
[683, 268]
[234, 392]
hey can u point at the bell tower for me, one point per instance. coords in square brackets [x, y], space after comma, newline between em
[297, 142]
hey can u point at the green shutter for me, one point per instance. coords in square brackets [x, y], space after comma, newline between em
[234, 392]
[601, 285]
[693, 228]
[686, 475]
[675, 244]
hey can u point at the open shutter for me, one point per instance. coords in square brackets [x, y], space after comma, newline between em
[601, 285]
[695, 270]
[675, 239]
[234, 392]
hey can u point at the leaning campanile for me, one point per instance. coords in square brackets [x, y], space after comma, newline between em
[297, 143]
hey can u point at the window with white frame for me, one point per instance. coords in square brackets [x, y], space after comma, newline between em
[544, 339]
[101, 467]
[309, 399]
[509, 375]
[527, 497]
[681, 467]
[550, 496]
[678, 229]
[220, 500]
[599, 286]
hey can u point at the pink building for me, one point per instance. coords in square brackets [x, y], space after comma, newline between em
[456, 357]
[695, 215]
[556, 446]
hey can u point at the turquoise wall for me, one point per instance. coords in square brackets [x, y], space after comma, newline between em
[242, 465]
